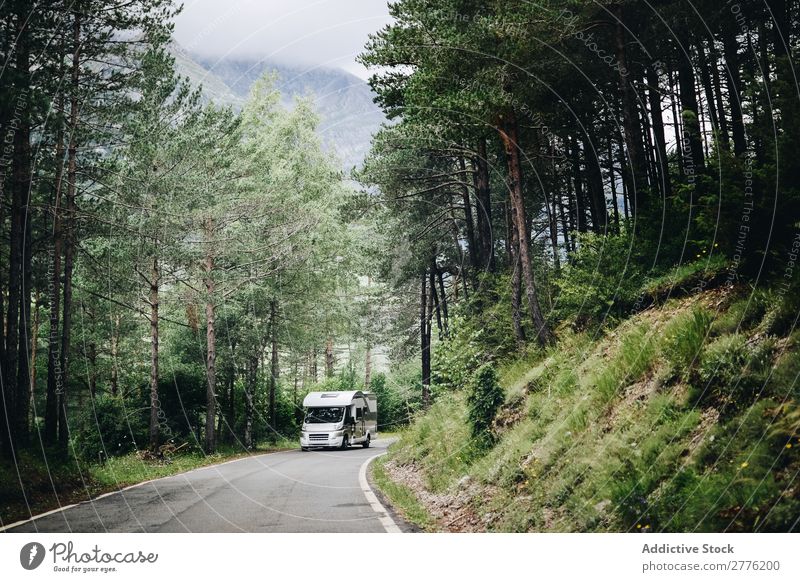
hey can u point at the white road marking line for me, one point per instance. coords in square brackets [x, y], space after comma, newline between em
[118, 491]
[383, 516]
[51, 512]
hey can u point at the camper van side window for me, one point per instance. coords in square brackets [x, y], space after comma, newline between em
[359, 413]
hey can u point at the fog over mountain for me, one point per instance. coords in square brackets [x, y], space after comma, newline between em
[344, 102]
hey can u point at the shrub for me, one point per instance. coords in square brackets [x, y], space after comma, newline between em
[743, 314]
[601, 280]
[108, 428]
[782, 315]
[732, 372]
[484, 400]
[392, 411]
[683, 339]
[454, 360]
[637, 352]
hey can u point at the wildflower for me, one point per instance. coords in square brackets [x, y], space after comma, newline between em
[744, 465]
[789, 445]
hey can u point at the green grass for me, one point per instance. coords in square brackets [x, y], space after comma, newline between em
[683, 338]
[685, 277]
[612, 439]
[403, 499]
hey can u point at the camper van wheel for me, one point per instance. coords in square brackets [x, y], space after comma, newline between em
[365, 444]
[345, 442]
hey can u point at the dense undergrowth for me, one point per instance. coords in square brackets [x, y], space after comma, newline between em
[683, 417]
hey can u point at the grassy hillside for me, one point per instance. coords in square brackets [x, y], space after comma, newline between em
[684, 417]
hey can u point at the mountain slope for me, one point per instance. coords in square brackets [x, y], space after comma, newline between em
[348, 116]
[686, 417]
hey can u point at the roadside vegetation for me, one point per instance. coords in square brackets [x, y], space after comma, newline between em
[682, 417]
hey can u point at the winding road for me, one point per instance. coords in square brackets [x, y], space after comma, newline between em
[289, 491]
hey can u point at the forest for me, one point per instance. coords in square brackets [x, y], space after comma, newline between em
[609, 191]
[573, 208]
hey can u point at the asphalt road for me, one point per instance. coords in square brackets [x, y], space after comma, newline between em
[291, 491]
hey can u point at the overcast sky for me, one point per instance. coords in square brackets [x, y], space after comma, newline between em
[306, 32]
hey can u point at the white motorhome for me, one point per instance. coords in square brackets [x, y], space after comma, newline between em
[339, 419]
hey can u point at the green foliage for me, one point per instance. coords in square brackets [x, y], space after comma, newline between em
[483, 401]
[783, 310]
[392, 408]
[743, 314]
[686, 278]
[732, 371]
[108, 427]
[456, 358]
[784, 379]
[602, 279]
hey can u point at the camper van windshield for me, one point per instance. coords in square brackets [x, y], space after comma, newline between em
[324, 415]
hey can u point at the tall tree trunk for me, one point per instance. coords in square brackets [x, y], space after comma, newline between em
[155, 276]
[91, 356]
[784, 14]
[676, 118]
[34, 352]
[459, 253]
[552, 221]
[708, 90]
[23, 183]
[717, 86]
[510, 138]
[425, 341]
[230, 382]
[367, 368]
[313, 367]
[613, 181]
[211, 341]
[597, 196]
[442, 300]
[637, 175]
[251, 377]
[54, 378]
[516, 278]
[474, 251]
[297, 410]
[625, 181]
[329, 361]
[484, 207]
[732, 65]
[115, 354]
[562, 215]
[690, 113]
[580, 204]
[19, 219]
[570, 225]
[654, 94]
[435, 298]
[70, 239]
[274, 368]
